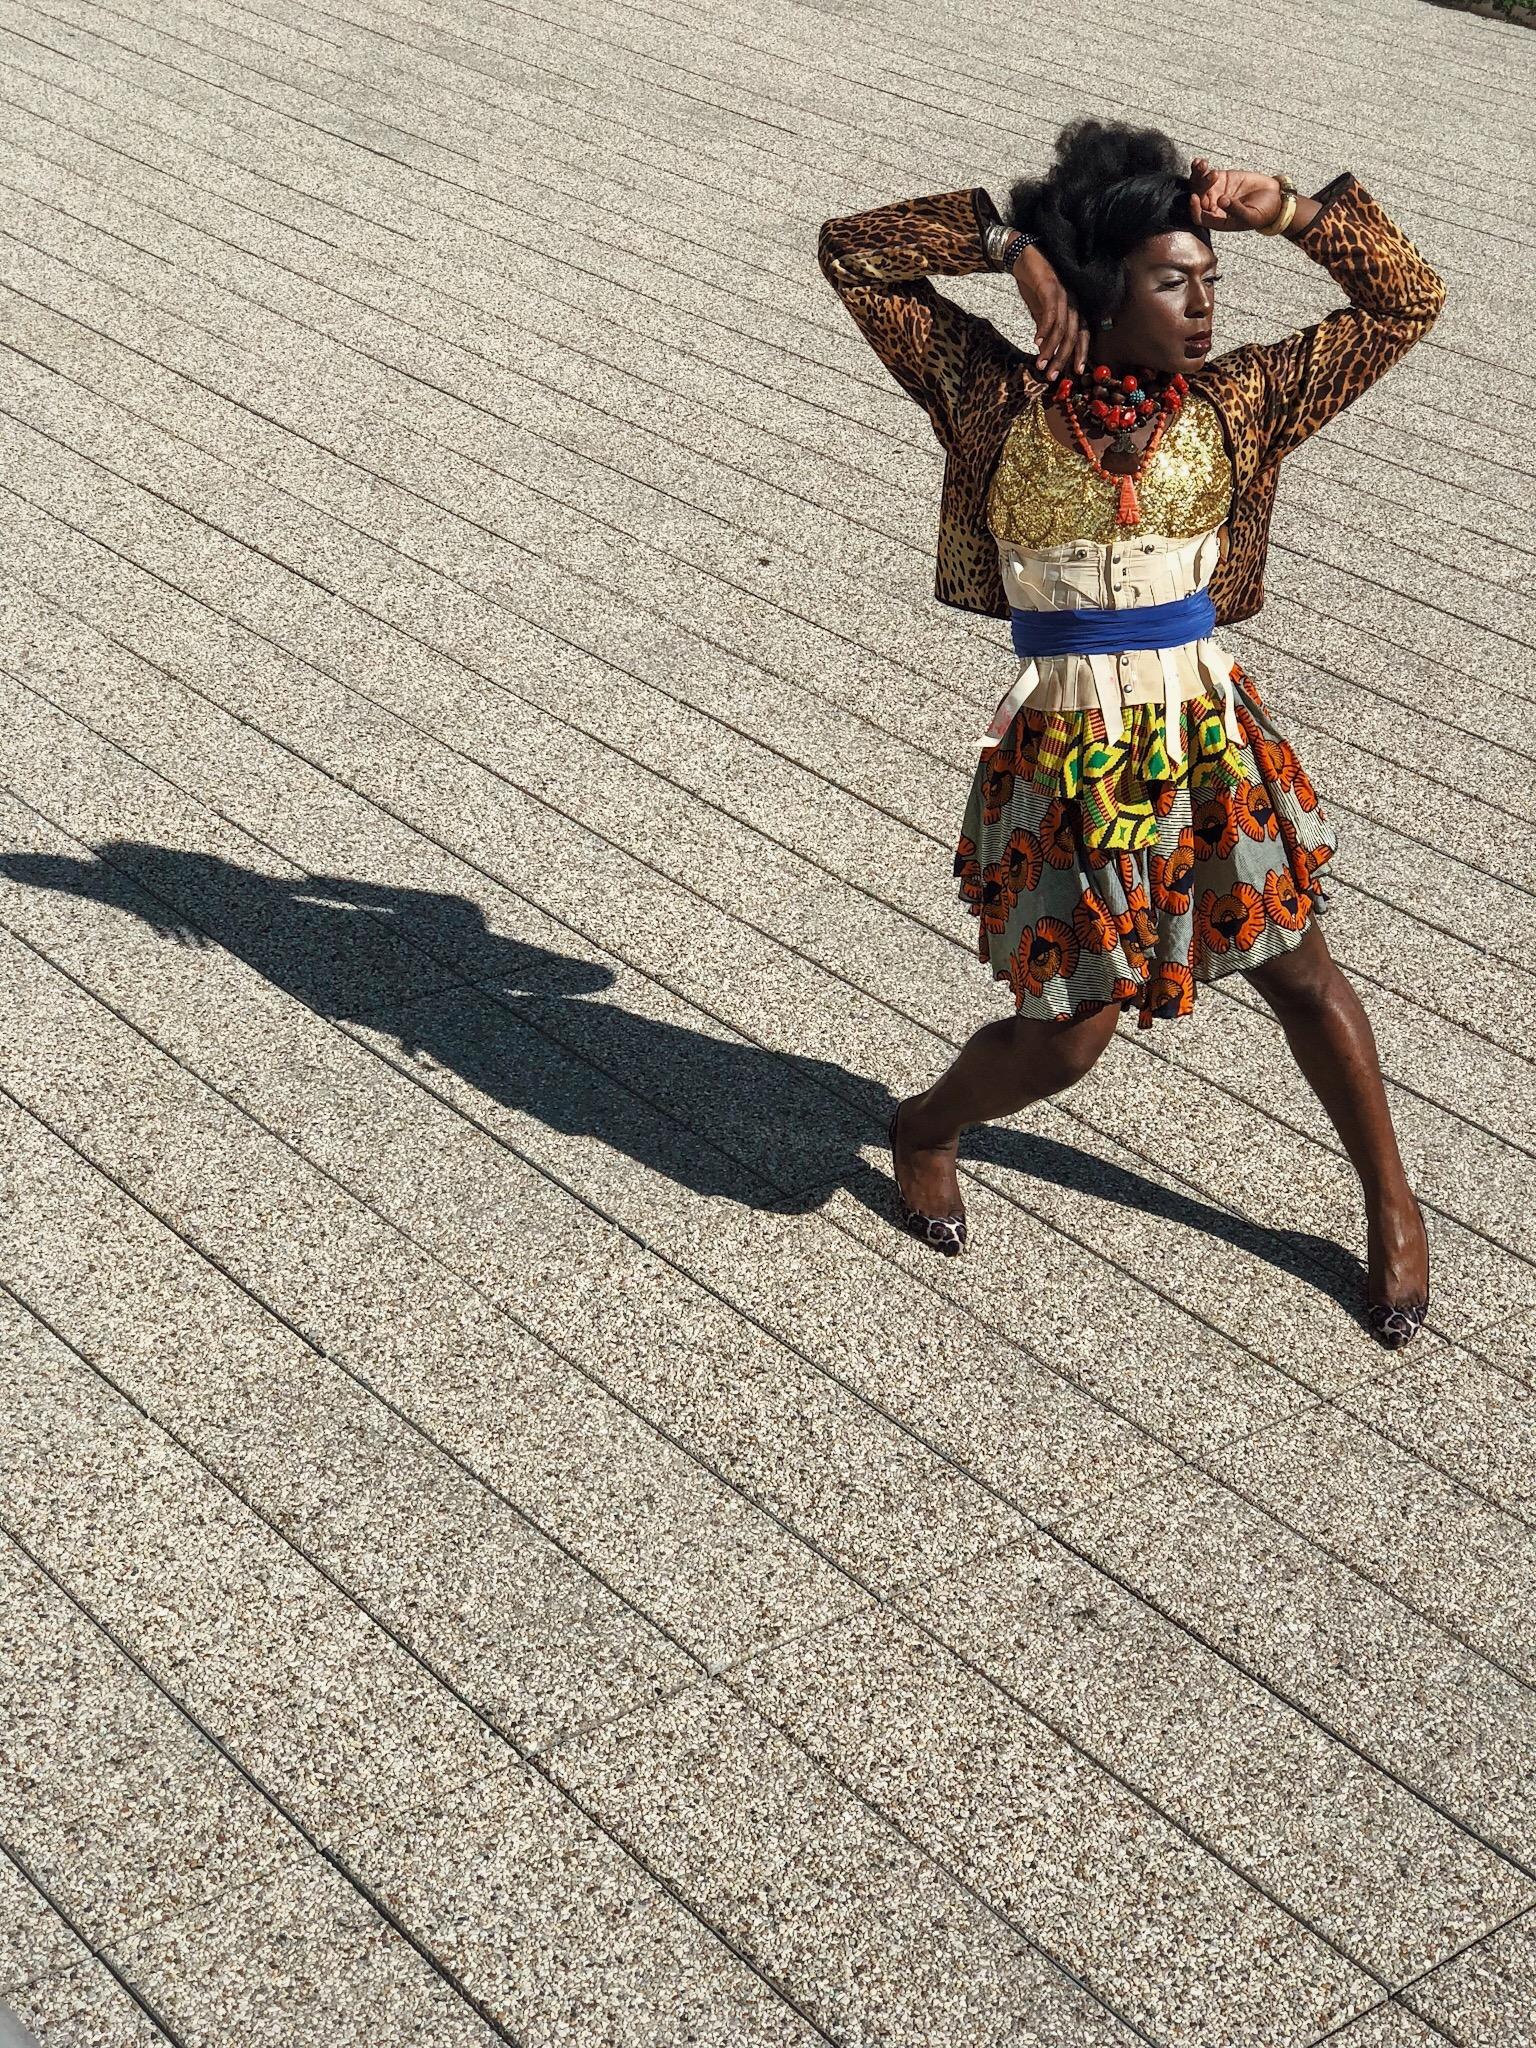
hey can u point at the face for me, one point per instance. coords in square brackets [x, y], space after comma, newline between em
[1166, 320]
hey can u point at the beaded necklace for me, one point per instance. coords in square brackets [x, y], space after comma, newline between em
[1116, 403]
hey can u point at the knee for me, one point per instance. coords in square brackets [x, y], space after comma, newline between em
[1066, 1051]
[1298, 984]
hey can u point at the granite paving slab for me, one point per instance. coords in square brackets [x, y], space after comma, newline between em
[899, 1513]
[339, 1725]
[872, 1938]
[120, 1811]
[1441, 1548]
[279, 1964]
[483, 1595]
[1413, 1698]
[1486, 1998]
[35, 1941]
[1468, 1413]
[428, 1343]
[1162, 1930]
[1389, 2026]
[1381, 1874]
[1474, 1284]
[85, 2003]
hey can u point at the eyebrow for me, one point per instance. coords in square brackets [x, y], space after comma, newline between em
[1213, 264]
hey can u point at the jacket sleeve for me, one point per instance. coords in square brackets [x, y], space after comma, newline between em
[879, 263]
[1394, 298]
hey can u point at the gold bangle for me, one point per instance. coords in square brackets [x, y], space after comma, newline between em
[1287, 213]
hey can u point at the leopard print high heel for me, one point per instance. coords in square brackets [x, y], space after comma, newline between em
[1395, 1327]
[947, 1234]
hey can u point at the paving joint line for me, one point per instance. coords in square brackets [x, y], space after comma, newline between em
[359, 1884]
[90, 1949]
[1404, 1990]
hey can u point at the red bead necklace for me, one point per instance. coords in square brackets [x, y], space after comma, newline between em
[1116, 402]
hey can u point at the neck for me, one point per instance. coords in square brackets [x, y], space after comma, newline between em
[1119, 362]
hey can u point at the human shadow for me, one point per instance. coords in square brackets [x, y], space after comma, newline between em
[526, 1027]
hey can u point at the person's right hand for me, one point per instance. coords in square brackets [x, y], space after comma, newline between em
[1061, 333]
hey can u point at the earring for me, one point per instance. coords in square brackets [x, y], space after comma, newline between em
[1108, 322]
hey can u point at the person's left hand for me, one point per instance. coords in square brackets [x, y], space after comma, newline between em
[1232, 199]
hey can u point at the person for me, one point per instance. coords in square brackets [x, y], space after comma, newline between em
[1138, 823]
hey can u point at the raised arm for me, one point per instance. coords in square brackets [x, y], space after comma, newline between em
[879, 263]
[1394, 298]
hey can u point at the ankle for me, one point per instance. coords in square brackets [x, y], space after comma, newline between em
[1394, 1203]
[921, 1130]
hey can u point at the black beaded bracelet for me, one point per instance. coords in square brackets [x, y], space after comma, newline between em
[1004, 250]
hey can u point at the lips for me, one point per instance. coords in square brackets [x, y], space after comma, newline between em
[1198, 344]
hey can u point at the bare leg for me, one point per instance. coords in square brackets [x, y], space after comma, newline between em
[1330, 1036]
[1001, 1068]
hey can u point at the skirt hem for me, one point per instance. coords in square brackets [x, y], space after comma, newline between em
[1212, 968]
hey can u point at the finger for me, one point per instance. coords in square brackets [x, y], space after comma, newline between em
[1060, 340]
[1045, 338]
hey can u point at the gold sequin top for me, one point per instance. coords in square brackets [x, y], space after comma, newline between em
[1043, 494]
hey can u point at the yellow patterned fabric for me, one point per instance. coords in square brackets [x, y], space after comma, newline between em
[1043, 495]
[1114, 781]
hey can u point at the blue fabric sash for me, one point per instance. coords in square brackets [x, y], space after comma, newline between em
[1092, 631]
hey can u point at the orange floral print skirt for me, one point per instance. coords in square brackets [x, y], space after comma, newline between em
[1231, 880]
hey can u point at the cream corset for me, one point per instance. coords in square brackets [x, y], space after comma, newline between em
[1140, 569]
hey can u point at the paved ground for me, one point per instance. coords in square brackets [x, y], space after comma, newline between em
[502, 1539]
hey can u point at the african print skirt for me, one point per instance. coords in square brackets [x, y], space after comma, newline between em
[1230, 880]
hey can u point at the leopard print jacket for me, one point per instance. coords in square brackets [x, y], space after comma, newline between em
[972, 381]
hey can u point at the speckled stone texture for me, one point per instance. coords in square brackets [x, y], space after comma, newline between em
[500, 1538]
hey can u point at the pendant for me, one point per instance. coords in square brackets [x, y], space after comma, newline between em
[1121, 455]
[1127, 504]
